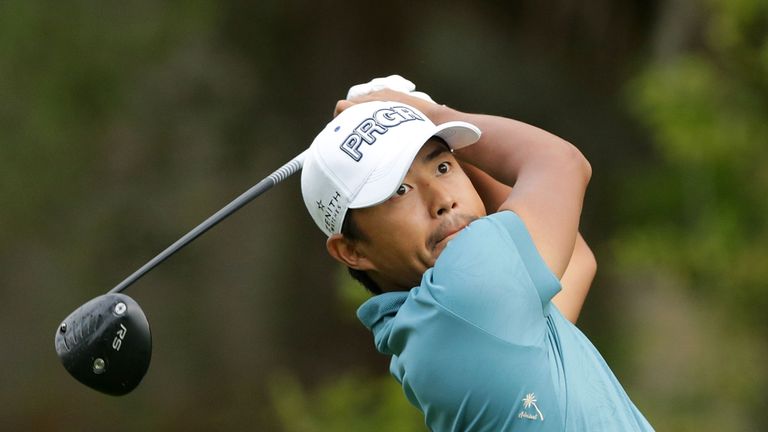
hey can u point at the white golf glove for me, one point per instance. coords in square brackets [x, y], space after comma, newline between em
[392, 82]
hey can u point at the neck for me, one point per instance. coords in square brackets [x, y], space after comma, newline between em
[388, 285]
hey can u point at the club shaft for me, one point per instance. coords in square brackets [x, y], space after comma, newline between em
[264, 185]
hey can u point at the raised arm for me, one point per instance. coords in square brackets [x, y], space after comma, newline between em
[581, 269]
[549, 178]
[549, 175]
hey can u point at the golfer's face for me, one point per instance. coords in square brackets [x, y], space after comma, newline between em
[407, 233]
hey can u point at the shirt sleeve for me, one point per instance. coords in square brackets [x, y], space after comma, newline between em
[492, 276]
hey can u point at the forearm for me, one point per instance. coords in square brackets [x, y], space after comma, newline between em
[510, 148]
[549, 176]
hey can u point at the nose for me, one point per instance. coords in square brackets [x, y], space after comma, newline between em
[442, 201]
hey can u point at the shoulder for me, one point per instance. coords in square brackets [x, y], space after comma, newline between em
[496, 243]
[491, 278]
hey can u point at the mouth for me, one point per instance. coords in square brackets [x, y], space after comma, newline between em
[447, 232]
[442, 242]
[450, 235]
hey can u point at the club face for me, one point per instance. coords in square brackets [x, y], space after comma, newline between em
[106, 344]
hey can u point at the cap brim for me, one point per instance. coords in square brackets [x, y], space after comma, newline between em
[458, 134]
[388, 176]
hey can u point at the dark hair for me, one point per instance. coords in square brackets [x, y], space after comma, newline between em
[351, 231]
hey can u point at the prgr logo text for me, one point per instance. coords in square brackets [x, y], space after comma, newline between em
[378, 124]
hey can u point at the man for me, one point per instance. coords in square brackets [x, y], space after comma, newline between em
[474, 310]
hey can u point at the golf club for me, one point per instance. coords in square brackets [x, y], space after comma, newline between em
[106, 343]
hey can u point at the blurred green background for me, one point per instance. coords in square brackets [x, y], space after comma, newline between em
[124, 124]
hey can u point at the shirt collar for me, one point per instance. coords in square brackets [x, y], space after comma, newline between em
[377, 313]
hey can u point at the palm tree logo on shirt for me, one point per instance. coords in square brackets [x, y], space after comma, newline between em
[530, 401]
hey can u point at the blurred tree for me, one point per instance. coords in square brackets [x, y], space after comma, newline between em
[123, 124]
[351, 403]
[64, 73]
[696, 223]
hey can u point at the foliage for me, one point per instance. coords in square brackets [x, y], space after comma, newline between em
[703, 213]
[698, 219]
[123, 124]
[351, 403]
[63, 74]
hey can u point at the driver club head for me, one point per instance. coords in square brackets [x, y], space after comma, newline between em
[106, 344]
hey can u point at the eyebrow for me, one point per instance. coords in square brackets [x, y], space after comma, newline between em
[435, 153]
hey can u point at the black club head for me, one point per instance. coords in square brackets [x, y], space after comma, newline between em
[106, 344]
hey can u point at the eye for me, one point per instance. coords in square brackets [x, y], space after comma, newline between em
[444, 167]
[403, 189]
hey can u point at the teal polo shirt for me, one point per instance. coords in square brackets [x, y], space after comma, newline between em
[479, 346]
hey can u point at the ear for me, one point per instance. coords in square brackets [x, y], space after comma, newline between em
[348, 252]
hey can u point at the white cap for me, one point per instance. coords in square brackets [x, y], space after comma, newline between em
[362, 156]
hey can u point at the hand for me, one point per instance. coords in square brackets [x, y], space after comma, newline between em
[392, 82]
[376, 90]
[427, 107]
